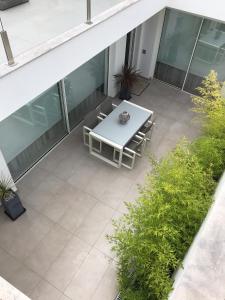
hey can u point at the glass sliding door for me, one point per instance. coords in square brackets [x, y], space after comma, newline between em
[31, 131]
[85, 87]
[178, 38]
[209, 55]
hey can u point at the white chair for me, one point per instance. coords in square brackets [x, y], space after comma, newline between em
[106, 108]
[146, 130]
[133, 149]
[90, 122]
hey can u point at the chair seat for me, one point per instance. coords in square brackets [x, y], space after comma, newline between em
[91, 119]
[134, 145]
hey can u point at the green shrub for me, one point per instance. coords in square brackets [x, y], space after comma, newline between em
[211, 154]
[210, 106]
[151, 240]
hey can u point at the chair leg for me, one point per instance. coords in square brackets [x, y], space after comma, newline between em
[114, 155]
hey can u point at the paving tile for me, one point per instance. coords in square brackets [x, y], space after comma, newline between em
[94, 223]
[70, 164]
[47, 250]
[38, 199]
[77, 210]
[103, 178]
[45, 291]
[31, 182]
[116, 191]
[84, 174]
[86, 281]
[52, 184]
[8, 265]
[102, 244]
[55, 209]
[67, 264]
[25, 280]
[19, 238]
[107, 288]
[63, 297]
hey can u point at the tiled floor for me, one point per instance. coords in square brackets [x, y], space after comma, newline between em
[58, 249]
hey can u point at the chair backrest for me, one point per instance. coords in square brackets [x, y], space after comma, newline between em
[91, 120]
[148, 126]
[134, 145]
[106, 106]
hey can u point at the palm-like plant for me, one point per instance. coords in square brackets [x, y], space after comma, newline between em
[5, 188]
[126, 79]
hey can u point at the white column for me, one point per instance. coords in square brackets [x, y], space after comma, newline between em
[4, 171]
[148, 39]
[116, 61]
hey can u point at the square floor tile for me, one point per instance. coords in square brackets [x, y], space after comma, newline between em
[86, 281]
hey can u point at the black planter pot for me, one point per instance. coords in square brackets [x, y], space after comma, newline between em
[5, 4]
[13, 206]
[124, 94]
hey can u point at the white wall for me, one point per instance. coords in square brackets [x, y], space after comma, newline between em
[27, 82]
[116, 61]
[202, 275]
[4, 171]
[148, 39]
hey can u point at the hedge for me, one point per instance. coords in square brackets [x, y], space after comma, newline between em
[151, 240]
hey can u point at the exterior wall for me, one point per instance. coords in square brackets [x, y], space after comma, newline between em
[148, 39]
[25, 83]
[202, 275]
[4, 171]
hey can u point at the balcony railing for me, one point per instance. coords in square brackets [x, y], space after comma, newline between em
[34, 23]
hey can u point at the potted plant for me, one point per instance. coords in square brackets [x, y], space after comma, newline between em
[126, 79]
[10, 200]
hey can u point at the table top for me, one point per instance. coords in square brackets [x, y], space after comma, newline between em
[111, 130]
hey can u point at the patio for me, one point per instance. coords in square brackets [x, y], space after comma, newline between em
[58, 249]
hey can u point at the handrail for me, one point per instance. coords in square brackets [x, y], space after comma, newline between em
[6, 44]
[89, 22]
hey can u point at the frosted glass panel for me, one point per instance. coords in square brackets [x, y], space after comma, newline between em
[177, 42]
[209, 54]
[85, 88]
[31, 131]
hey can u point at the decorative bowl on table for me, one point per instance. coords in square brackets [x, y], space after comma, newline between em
[124, 117]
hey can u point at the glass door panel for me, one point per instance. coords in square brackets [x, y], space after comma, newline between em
[30, 132]
[178, 38]
[85, 88]
[209, 55]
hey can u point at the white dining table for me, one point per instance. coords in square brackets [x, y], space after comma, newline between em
[111, 132]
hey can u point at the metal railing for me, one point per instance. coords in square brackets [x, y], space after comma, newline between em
[6, 44]
[89, 22]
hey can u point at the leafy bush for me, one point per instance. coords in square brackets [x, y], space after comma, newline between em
[211, 154]
[210, 106]
[151, 240]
